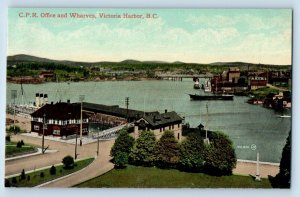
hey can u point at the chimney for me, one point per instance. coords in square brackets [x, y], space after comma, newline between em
[45, 99]
[37, 99]
[41, 103]
[166, 110]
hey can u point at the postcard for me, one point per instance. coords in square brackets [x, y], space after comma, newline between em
[148, 98]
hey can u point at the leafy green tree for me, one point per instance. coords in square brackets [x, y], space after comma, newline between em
[167, 151]
[121, 160]
[220, 156]
[142, 152]
[15, 129]
[192, 153]
[68, 162]
[123, 143]
[283, 178]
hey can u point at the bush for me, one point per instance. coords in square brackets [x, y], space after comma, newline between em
[14, 180]
[23, 175]
[142, 152]
[42, 175]
[16, 129]
[167, 151]
[68, 162]
[7, 183]
[52, 170]
[19, 144]
[28, 177]
[121, 160]
[7, 138]
[192, 153]
[220, 156]
[22, 142]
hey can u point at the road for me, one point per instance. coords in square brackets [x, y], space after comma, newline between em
[98, 167]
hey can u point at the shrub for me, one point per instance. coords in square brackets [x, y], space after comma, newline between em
[28, 177]
[68, 162]
[192, 153]
[23, 175]
[52, 170]
[220, 156]
[42, 175]
[7, 183]
[121, 160]
[22, 142]
[167, 151]
[14, 180]
[142, 152]
[19, 144]
[7, 138]
[16, 129]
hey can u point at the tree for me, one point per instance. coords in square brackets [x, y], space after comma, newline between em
[52, 170]
[121, 160]
[15, 129]
[7, 138]
[14, 180]
[123, 143]
[283, 178]
[192, 153]
[220, 156]
[167, 151]
[142, 152]
[68, 162]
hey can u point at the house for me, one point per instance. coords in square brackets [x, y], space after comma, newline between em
[233, 74]
[158, 123]
[46, 74]
[257, 82]
[59, 119]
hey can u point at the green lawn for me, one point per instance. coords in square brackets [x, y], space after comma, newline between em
[11, 149]
[142, 177]
[36, 179]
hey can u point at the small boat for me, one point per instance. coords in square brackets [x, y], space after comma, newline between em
[284, 116]
[207, 87]
[196, 85]
[225, 97]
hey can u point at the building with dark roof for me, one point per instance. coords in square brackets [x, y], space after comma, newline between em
[59, 119]
[158, 123]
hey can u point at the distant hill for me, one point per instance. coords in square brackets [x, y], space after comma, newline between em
[29, 58]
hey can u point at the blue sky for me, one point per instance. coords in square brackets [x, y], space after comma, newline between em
[188, 35]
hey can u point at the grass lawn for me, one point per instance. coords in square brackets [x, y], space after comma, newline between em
[142, 177]
[36, 179]
[11, 149]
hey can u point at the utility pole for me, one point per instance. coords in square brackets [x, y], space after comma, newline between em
[98, 142]
[43, 138]
[81, 98]
[257, 176]
[206, 140]
[76, 146]
[14, 96]
[127, 103]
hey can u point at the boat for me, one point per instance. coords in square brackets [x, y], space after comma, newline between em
[196, 85]
[226, 97]
[285, 116]
[207, 87]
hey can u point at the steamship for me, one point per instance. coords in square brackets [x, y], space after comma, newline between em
[25, 110]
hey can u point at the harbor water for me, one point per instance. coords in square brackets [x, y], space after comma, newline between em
[252, 128]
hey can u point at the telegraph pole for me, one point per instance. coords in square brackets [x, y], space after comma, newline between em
[98, 142]
[14, 96]
[43, 138]
[127, 103]
[76, 147]
[81, 98]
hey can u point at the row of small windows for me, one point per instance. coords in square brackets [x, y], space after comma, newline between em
[60, 122]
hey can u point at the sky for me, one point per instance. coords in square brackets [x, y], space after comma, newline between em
[187, 35]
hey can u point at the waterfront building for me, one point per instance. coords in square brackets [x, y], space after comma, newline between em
[257, 82]
[59, 119]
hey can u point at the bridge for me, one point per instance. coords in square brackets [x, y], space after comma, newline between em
[111, 132]
[180, 77]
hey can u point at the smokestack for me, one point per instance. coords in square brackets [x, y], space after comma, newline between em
[37, 99]
[41, 103]
[45, 99]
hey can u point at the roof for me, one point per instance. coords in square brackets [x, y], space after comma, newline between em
[156, 119]
[60, 111]
[114, 110]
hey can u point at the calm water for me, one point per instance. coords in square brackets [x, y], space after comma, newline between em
[245, 124]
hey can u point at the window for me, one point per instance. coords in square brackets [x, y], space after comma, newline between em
[56, 132]
[36, 127]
